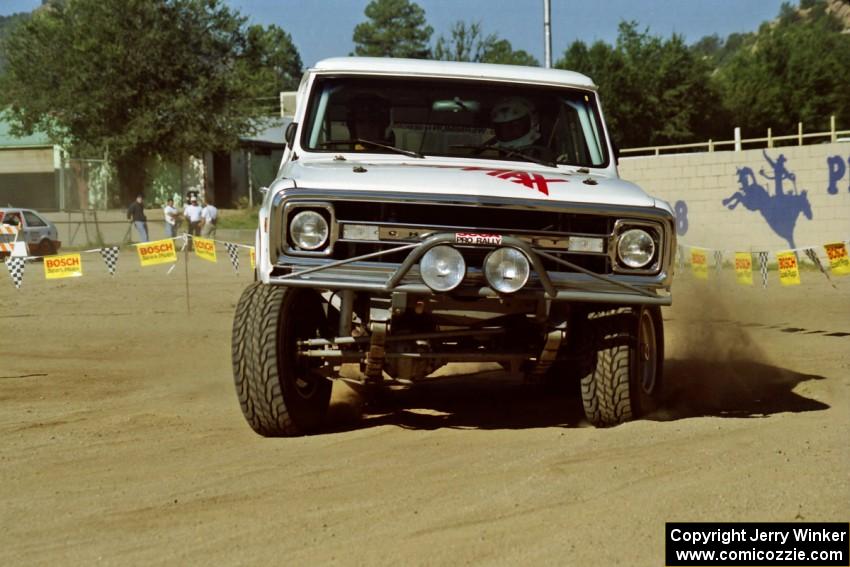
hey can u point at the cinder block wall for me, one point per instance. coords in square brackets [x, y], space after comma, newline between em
[728, 200]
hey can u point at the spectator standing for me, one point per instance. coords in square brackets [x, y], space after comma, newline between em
[192, 212]
[136, 214]
[209, 214]
[171, 215]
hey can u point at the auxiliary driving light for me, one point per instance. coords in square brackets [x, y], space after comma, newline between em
[442, 268]
[506, 270]
[308, 230]
[635, 248]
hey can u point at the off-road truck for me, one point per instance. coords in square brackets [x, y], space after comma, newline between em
[429, 212]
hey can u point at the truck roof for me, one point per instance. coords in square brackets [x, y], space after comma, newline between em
[454, 69]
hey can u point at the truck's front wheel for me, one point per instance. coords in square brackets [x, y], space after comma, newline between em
[280, 393]
[626, 382]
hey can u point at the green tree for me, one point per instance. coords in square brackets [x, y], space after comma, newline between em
[275, 57]
[717, 51]
[396, 28]
[792, 70]
[654, 91]
[7, 23]
[503, 52]
[141, 78]
[467, 42]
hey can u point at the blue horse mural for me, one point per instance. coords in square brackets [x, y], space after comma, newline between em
[780, 210]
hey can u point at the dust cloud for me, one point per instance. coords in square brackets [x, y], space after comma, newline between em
[716, 367]
[708, 325]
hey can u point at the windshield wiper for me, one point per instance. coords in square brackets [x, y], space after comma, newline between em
[396, 149]
[506, 151]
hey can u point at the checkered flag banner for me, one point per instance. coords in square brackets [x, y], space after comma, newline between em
[110, 258]
[15, 265]
[813, 256]
[233, 252]
[763, 268]
[718, 260]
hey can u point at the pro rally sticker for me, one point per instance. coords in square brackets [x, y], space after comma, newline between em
[477, 239]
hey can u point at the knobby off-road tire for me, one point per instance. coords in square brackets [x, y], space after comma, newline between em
[626, 382]
[239, 352]
[279, 394]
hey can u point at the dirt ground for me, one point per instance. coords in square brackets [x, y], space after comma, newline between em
[121, 439]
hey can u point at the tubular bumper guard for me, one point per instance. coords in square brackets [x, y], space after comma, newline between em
[611, 290]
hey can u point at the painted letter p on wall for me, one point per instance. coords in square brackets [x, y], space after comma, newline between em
[836, 167]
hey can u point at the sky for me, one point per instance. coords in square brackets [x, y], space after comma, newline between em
[323, 28]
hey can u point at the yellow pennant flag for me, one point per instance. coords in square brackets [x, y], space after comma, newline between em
[65, 266]
[744, 268]
[156, 252]
[253, 258]
[205, 249]
[789, 274]
[838, 260]
[699, 263]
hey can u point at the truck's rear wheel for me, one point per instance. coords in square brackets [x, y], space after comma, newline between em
[626, 382]
[280, 394]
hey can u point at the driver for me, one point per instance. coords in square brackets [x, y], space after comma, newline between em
[369, 119]
[12, 220]
[517, 127]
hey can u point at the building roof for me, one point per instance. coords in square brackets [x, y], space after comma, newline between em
[272, 133]
[7, 140]
[462, 70]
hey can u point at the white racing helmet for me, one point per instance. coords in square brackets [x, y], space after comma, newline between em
[515, 122]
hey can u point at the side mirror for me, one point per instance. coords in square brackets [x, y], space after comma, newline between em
[616, 149]
[289, 135]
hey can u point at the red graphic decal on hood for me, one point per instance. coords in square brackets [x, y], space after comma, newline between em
[530, 180]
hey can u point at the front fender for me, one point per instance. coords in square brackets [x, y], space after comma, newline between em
[268, 233]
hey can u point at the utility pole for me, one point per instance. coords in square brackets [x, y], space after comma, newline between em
[547, 33]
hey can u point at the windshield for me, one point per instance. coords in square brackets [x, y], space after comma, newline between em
[441, 117]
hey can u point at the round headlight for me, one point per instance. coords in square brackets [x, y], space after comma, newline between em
[442, 268]
[506, 270]
[635, 248]
[308, 230]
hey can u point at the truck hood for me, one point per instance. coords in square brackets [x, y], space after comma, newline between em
[522, 181]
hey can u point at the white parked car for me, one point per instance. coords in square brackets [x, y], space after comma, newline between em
[39, 234]
[431, 212]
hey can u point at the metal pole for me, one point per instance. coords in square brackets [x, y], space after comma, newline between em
[63, 181]
[250, 179]
[186, 270]
[547, 33]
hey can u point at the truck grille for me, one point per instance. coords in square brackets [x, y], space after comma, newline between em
[473, 217]
[464, 218]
